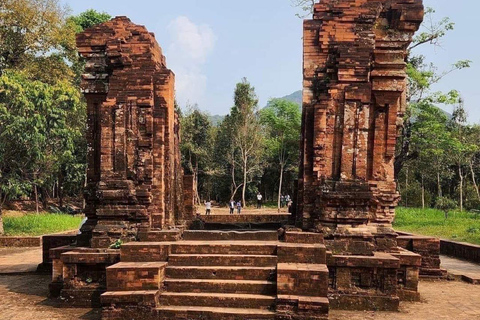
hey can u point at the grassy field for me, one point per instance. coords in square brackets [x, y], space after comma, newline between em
[40, 224]
[460, 226]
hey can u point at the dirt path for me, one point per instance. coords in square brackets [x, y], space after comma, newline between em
[440, 301]
[19, 260]
[25, 297]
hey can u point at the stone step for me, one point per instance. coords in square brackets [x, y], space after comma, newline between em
[225, 247]
[221, 286]
[246, 218]
[303, 237]
[145, 251]
[133, 276]
[203, 313]
[302, 253]
[222, 260]
[161, 235]
[203, 235]
[133, 298]
[225, 300]
[219, 272]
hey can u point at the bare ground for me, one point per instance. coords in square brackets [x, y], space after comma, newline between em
[25, 297]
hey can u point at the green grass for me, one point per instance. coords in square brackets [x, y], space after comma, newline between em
[460, 226]
[40, 224]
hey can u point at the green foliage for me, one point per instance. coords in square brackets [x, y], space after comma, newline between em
[446, 205]
[39, 127]
[436, 152]
[461, 226]
[247, 134]
[40, 224]
[88, 19]
[198, 140]
[34, 38]
[282, 123]
[116, 245]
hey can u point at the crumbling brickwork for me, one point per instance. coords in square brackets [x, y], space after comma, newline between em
[353, 101]
[134, 173]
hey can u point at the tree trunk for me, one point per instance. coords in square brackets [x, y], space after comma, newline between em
[195, 176]
[85, 182]
[43, 193]
[439, 185]
[423, 194]
[244, 188]
[474, 180]
[35, 190]
[461, 187]
[406, 188]
[280, 184]
[2, 231]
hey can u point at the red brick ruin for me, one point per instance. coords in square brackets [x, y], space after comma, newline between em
[354, 100]
[339, 251]
[134, 172]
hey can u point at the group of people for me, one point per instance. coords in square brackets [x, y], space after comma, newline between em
[285, 200]
[232, 205]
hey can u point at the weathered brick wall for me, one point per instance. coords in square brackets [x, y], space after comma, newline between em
[133, 134]
[353, 100]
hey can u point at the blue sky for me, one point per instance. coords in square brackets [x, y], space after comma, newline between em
[212, 44]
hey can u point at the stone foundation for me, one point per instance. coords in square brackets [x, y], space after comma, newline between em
[429, 249]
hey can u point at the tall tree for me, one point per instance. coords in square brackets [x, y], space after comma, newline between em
[462, 150]
[282, 121]
[247, 132]
[197, 146]
[37, 132]
[33, 38]
[421, 77]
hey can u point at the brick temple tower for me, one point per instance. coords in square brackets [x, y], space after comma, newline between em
[134, 171]
[354, 99]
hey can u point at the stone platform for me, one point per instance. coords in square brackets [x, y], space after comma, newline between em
[219, 275]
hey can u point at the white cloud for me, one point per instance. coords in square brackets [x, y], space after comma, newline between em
[186, 55]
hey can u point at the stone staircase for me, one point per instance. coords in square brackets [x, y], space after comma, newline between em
[230, 275]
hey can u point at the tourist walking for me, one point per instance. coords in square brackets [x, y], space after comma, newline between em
[259, 200]
[232, 206]
[282, 201]
[208, 207]
[239, 207]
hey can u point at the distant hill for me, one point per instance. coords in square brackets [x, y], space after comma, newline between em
[295, 97]
[215, 120]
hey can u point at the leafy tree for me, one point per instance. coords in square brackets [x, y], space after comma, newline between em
[33, 38]
[446, 204]
[462, 149]
[197, 146]
[88, 19]
[226, 157]
[421, 77]
[248, 137]
[282, 121]
[37, 132]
